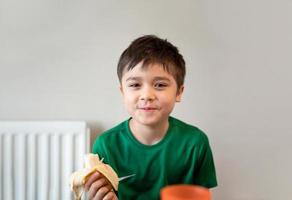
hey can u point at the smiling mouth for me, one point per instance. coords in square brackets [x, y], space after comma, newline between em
[148, 108]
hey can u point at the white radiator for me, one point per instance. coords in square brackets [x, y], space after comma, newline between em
[37, 158]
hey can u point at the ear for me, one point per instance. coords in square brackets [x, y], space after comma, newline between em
[121, 89]
[179, 93]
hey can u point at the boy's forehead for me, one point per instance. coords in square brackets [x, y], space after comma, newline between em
[142, 68]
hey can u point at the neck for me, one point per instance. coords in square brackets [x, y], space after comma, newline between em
[148, 135]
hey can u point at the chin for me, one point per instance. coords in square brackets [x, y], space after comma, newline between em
[148, 121]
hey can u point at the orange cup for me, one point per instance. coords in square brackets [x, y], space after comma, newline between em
[185, 192]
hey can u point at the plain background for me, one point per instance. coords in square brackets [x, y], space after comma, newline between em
[58, 62]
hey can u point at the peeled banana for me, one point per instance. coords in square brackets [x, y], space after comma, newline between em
[92, 164]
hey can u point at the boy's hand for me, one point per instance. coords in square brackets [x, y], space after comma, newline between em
[99, 188]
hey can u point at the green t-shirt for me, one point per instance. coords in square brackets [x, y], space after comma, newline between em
[182, 156]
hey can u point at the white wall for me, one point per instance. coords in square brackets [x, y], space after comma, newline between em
[58, 61]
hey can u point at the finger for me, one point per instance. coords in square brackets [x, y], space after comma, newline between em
[96, 186]
[102, 192]
[110, 196]
[95, 176]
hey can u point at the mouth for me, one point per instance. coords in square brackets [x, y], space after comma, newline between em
[148, 108]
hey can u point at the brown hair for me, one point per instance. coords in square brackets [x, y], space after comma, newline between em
[152, 50]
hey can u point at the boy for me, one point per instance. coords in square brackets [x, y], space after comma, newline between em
[151, 148]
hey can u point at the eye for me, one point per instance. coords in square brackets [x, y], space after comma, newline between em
[134, 85]
[161, 85]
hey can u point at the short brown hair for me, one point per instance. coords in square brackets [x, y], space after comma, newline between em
[151, 50]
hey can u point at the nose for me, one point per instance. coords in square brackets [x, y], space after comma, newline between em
[147, 94]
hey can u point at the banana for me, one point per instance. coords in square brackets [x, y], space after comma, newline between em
[92, 164]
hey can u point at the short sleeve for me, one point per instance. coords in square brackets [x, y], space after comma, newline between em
[98, 148]
[205, 174]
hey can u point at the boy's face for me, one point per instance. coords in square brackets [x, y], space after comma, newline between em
[149, 94]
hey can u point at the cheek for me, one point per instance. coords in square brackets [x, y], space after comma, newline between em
[167, 101]
[129, 98]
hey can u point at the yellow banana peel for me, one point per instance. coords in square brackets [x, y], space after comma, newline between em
[92, 164]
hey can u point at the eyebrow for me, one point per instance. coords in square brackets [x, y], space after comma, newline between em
[156, 78]
[133, 79]
[161, 78]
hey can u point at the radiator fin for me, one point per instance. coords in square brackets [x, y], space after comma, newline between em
[37, 158]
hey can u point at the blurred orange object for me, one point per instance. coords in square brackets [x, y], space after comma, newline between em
[185, 192]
